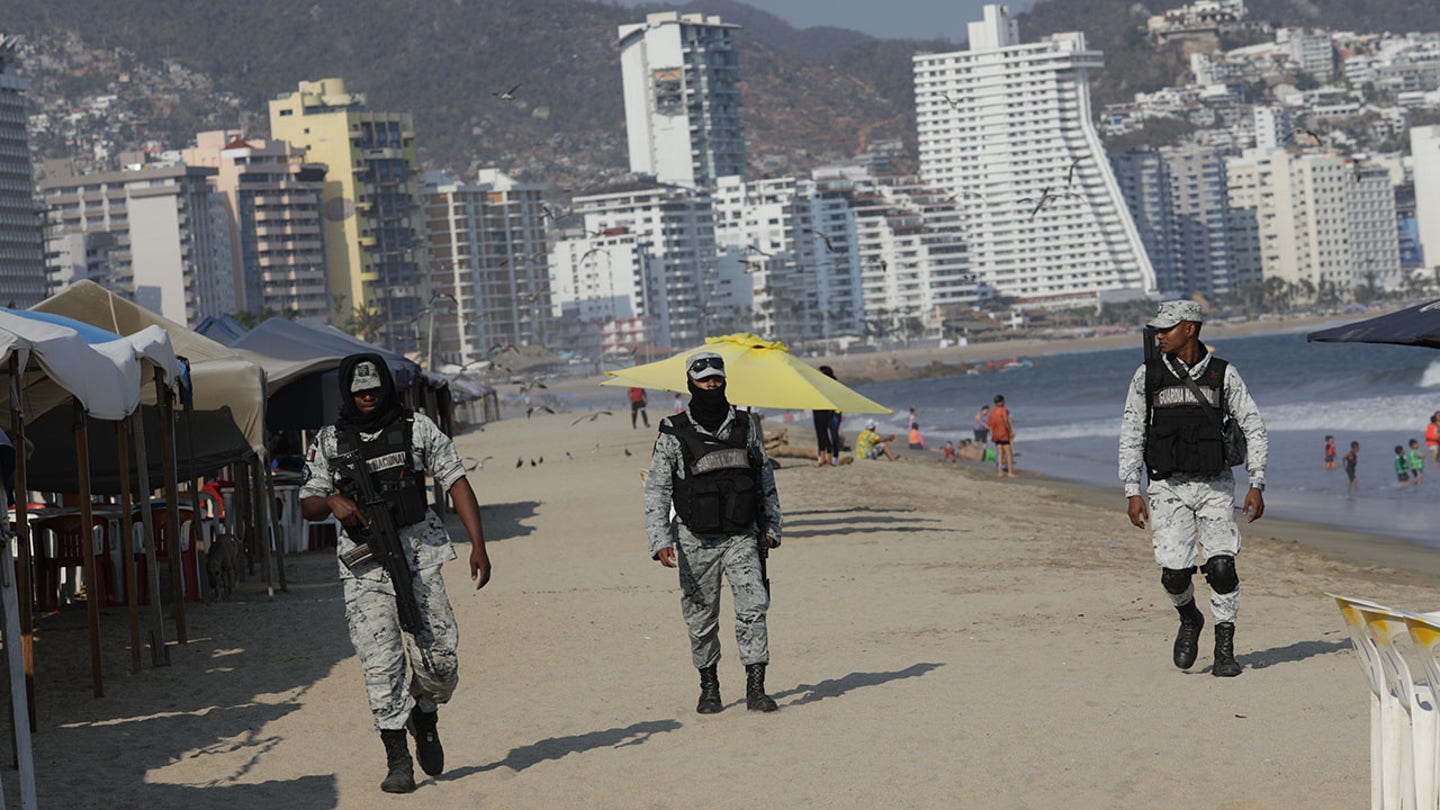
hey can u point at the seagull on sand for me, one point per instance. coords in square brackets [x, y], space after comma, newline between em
[508, 95]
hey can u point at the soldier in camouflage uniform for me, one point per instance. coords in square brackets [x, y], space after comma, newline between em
[1192, 491]
[710, 463]
[373, 418]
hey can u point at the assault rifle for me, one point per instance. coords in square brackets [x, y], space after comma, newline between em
[382, 539]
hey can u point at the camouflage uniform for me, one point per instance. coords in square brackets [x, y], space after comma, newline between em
[701, 558]
[370, 607]
[1185, 508]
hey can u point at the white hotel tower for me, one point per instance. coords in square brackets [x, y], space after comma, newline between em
[682, 99]
[1004, 126]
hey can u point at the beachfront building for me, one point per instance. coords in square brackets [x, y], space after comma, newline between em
[488, 265]
[372, 202]
[1006, 128]
[1177, 198]
[912, 245]
[155, 234]
[22, 254]
[797, 244]
[681, 75]
[643, 267]
[272, 198]
[1316, 220]
[1425, 157]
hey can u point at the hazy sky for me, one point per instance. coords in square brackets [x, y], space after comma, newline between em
[912, 19]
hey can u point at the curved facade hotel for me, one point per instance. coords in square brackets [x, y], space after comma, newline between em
[999, 125]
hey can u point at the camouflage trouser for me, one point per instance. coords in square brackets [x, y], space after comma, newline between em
[383, 648]
[1186, 509]
[701, 561]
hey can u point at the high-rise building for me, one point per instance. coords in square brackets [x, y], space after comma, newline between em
[1425, 157]
[647, 253]
[797, 243]
[486, 253]
[372, 201]
[1314, 219]
[1006, 128]
[22, 251]
[682, 98]
[273, 198]
[1177, 197]
[166, 241]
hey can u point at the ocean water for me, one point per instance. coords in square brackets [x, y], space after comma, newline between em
[1066, 410]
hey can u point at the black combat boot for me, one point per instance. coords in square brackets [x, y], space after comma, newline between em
[1225, 664]
[427, 741]
[1187, 638]
[709, 691]
[755, 698]
[401, 778]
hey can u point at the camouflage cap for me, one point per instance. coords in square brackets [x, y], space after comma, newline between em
[366, 377]
[1173, 312]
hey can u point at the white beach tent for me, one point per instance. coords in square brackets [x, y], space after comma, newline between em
[50, 362]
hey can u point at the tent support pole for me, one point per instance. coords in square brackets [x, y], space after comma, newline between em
[279, 533]
[87, 543]
[159, 651]
[165, 397]
[263, 527]
[187, 414]
[22, 543]
[127, 540]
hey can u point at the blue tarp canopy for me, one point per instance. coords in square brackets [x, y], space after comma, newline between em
[1415, 326]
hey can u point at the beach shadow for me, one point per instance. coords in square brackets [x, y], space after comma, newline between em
[1290, 653]
[849, 510]
[557, 747]
[835, 687]
[502, 521]
[858, 526]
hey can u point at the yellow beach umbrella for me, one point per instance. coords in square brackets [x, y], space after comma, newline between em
[758, 373]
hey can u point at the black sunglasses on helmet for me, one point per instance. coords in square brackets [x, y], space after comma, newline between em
[699, 365]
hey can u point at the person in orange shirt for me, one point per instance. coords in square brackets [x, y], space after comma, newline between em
[1002, 433]
[1432, 436]
[1329, 452]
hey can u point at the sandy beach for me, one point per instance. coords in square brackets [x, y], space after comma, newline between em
[939, 638]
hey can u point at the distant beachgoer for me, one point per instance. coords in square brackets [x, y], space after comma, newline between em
[917, 442]
[826, 449]
[679, 404]
[1402, 465]
[1432, 436]
[637, 407]
[1004, 434]
[870, 444]
[982, 425]
[948, 452]
[914, 421]
[1329, 452]
[1171, 429]
[1349, 460]
[1417, 463]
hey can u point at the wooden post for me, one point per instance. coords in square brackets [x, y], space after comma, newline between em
[22, 528]
[159, 652]
[165, 398]
[87, 543]
[19, 706]
[194, 478]
[279, 528]
[263, 505]
[127, 540]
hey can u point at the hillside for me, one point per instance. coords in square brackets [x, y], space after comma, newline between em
[809, 95]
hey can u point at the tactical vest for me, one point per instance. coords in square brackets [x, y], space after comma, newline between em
[1181, 437]
[397, 475]
[720, 493]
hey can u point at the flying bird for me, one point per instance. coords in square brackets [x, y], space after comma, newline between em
[499, 349]
[1070, 177]
[823, 238]
[592, 252]
[508, 95]
[954, 105]
[520, 462]
[476, 463]
[533, 409]
[527, 386]
[1309, 133]
[591, 418]
[1046, 195]
[532, 462]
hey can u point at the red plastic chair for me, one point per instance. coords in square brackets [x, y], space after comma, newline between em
[70, 553]
[189, 553]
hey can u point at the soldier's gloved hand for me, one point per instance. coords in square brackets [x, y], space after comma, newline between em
[1138, 511]
[666, 556]
[346, 511]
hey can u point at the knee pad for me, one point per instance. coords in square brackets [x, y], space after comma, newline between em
[1176, 580]
[1220, 573]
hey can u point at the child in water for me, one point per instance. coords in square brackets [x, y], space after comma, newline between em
[1417, 462]
[1350, 460]
[1402, 465]
[1329, 452]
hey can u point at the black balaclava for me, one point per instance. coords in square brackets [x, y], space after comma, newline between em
[388, 410]
[708, 407]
